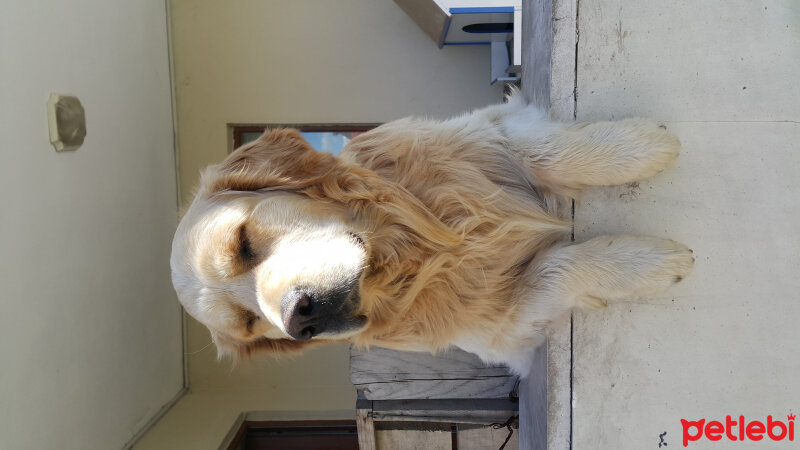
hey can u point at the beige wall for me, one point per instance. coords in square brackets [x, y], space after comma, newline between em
[309, 61]
[295, 62]
[90, 334]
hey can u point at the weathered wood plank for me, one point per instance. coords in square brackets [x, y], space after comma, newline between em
[533, 404]
[365, 424]
[473, 411]
[383, 374]
[366, 430]
[471, 437]
[480, 404]
[537, 42]
[413, 439]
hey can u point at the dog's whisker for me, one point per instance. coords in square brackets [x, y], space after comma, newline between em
[198, 351]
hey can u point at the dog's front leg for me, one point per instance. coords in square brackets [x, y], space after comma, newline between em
[575, 156]
[604, 269]
[590, 274]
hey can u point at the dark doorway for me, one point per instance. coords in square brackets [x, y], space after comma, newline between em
[297, 435]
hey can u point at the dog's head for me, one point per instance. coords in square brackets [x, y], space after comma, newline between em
[260, 262]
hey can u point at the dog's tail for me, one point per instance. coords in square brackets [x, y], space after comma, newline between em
[515, 97]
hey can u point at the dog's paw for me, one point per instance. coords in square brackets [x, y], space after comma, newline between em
[671, 262]
[660, 147]
[650, 144]
[642, 265]
[623, 267]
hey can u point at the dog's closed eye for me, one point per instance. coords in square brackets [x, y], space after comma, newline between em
[245, 252]
[252, 318]
[244, 318]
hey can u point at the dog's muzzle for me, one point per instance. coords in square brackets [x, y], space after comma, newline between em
[307, 313]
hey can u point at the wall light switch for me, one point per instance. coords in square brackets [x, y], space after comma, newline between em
[67, 122]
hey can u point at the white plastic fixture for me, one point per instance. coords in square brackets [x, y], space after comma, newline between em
[67, 122]
[497, 23]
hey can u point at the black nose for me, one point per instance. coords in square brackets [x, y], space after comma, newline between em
[300, 315]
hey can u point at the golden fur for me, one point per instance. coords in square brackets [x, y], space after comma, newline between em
[459, 238]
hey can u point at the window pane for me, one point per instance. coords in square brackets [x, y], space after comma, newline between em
[324, 141]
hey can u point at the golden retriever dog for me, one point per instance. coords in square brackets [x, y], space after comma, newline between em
[421, 235]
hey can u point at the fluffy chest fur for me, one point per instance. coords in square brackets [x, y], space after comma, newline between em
[474, 188]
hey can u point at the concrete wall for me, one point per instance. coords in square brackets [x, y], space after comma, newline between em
[722, 75]
[295, 62]
[90, 331]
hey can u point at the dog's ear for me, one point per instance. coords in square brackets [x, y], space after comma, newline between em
[280, 158]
